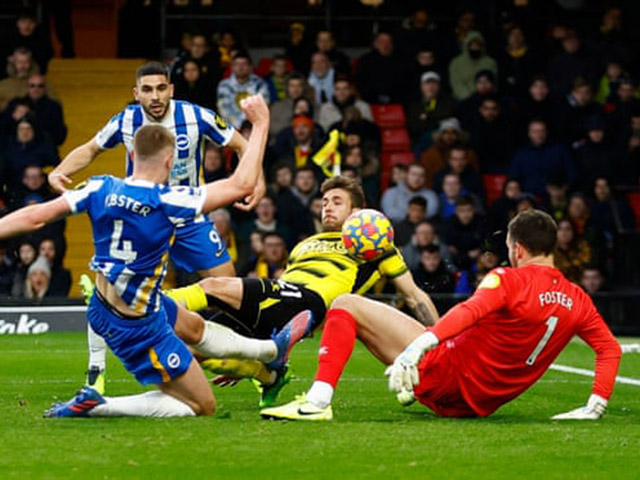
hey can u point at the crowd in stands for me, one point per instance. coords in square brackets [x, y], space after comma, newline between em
[451, 130]
[32, 128]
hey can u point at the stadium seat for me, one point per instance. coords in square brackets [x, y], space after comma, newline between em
[395, 140]
[388, 116]
[634, 202]
[493, 185]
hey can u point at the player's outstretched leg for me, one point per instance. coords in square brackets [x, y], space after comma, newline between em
[385, 332]
[96, 369]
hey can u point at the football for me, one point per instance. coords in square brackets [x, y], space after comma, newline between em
[367, 234]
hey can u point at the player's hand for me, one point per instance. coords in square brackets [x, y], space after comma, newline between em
[403, 374]
[57, 181]
[256, 110]
[593, 410]
[251, 202]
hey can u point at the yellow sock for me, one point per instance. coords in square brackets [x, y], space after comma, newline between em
[191, 297]
[238, 368]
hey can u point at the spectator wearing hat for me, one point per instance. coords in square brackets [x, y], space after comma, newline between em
[395, 200]
[332, 111]
[597, 157]
[485, 85]
[298, 49]
[36, 285]
[491, 135]
[571, 62]
[380, 74]
[435, 158]
[425, 60]
[321, 77]
[536, 162]
[242, 83]
[464, 67]
[424, 115]
[573, 111]
[296, 145]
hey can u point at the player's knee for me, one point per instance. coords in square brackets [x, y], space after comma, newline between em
[208, 407]
[347, 302]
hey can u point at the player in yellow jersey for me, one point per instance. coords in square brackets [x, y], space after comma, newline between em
[319, 270]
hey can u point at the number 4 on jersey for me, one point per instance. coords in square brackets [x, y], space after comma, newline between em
[551, 326]
[125, 253]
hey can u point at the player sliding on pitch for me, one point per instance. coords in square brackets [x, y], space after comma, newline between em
[485, 351]
[134, 222]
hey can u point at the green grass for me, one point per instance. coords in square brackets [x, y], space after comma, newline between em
[371, 435]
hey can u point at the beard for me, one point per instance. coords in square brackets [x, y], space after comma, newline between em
[150, 112]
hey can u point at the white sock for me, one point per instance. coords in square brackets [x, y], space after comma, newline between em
[148, 404]
[320, 394]
[219, 341]
[97, 349]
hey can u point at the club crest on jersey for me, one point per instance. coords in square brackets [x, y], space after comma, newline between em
[173, 360]
[183, 141]
[490, 281]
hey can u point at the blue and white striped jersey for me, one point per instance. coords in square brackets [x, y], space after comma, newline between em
[133, 225]
[190, 124]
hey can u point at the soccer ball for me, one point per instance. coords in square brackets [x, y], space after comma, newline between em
[367, 234]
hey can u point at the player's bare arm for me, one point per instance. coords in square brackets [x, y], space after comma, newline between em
[417, 299]
[31, 218]
[78, 159]
[243, 181]
[239, 145]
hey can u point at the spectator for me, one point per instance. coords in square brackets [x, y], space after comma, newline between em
[398, 174]
[29, 35]
[332, 111]
[298, 49]
[305, 186]
[432, 275]
[485, 86]
[464, 67]
[266, 221]
[571, 62]
[557, 190]
[611, 214]
[380, 73]
[609, 82]
[454, 43]
[458, 163]
[213, 164]
[322, 77]
[611, 40]
[491, 136]
[19, 68]
[572, 253]
[396, 199]
[424, 236]
[325, 43]
[592, 280]
[17, 109]
[208, 61]
[536, 104]
[277, 78]
[415, 31]
[316, 214]
[435, 158]
[579, 214]
[296, 145]
[596, 157]
[533, 164]
[425, 115]
[228, 47]
[425, 61]
[26, 256]
[33, 186]
[192, 87]
[359, 132]
[241, 83]
[27, 147]
[572, 113]
[620, 108]
[289, 209]
[504, 209]
[38, 281]
[416, 212]
[273, 260]
[452, 190]
[222, 221]
[282, 110]
[48, 112]
[518, 64]
[60, 279]
[369, 168]
[464, 234]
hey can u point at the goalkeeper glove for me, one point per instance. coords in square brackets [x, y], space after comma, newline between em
[593, 410]
[403, 373]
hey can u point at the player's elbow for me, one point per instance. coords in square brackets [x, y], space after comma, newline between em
[243, 184]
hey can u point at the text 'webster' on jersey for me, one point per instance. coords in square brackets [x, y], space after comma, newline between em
[133, 224]
[189, 123]
[322, 264]
[514, 326]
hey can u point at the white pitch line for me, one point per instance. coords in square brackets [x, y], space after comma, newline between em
[590, 373]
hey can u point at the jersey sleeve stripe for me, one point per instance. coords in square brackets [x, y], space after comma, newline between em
[76, 197]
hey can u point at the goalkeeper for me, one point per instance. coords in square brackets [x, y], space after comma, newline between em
[485, 351]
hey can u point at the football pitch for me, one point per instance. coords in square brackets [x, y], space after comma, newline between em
[371, 436]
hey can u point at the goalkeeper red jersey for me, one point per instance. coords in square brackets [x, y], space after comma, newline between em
[502, 339]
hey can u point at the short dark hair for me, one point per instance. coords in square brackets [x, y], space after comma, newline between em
[341, 77]
[242, 54]
[296, 76]
[431, 248]
[535, 230]
[151, 139]
[464, 200]
[266, 235]
[153, 68]
[418, 200]
[345, 183]
[279, 56]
